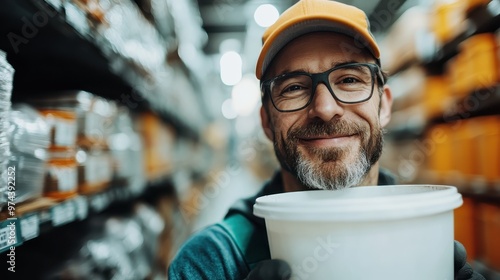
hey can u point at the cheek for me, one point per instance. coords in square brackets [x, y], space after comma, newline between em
[370, 115]
[283, 123]
[373, 112]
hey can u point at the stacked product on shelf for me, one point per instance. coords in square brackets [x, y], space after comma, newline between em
[159, 142]
[137, 51]
[448, 19]
[99, 139]
[61, 181]
[6, 77]
[460, 83]
[465, 227]
[29, 137]
[465, 96]
[95, 119]
[469, 85]
[92, 143]
[126, 148]
[468, 151]
[489, 230]
[476, 66]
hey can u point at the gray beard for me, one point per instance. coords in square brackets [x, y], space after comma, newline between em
[313, 176]
[326, 170]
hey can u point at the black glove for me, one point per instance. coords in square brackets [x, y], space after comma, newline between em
[270, 270]
[463, 270]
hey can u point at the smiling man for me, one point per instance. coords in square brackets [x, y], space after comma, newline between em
[326, 126]
[324, 106]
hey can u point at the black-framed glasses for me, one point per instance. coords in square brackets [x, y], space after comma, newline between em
[348, 83]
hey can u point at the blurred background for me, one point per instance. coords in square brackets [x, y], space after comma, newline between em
[127, 125]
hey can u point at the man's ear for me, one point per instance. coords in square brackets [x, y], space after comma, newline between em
[385, 106]
[266, 123]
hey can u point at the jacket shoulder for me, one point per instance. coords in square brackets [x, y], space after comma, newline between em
[209, 254]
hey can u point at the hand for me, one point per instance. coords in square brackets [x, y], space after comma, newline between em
[270, 270]
[463, 270]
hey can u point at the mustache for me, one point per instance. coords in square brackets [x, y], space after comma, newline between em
[321, 128]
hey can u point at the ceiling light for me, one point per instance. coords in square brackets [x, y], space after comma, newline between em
[265, 15]
[230, 68]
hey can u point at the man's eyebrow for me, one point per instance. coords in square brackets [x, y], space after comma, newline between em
[338, 63]
[303, 70]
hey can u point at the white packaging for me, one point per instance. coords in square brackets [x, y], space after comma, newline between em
[375, 232]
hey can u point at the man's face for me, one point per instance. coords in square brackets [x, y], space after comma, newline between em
[327, 145]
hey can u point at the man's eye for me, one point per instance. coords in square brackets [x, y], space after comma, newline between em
[292, 88]
[349, 80]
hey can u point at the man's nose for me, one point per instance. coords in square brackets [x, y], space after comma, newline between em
[324, 105]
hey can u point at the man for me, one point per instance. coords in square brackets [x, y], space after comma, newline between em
[325, 104]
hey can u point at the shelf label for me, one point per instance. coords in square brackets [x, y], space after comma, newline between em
[63, 213]
[30, 226]
[99, 202]
[120, 194]
[82, 207]
[44, 216]
[9, 234]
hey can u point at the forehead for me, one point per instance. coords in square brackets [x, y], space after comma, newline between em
[318, 51]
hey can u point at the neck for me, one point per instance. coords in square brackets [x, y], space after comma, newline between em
[291, 183]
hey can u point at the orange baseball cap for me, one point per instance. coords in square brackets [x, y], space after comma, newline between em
[308, 16]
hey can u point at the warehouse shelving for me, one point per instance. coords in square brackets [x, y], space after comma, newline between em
[65, 52]
[31, 219]
[482, 19]
[57, 46]
[439, 129]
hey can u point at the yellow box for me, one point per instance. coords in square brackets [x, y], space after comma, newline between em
[448, 20]
[497, 40]
[441, 160]
[466, 227]
[489, 147]
[489, 229]
[436, 95]
[159, 139]
[458, 76]
[467, 150]
[480, 54]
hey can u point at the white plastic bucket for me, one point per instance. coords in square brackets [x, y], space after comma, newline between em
[398, 232]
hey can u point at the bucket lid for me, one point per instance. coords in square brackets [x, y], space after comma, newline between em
[367, 203]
